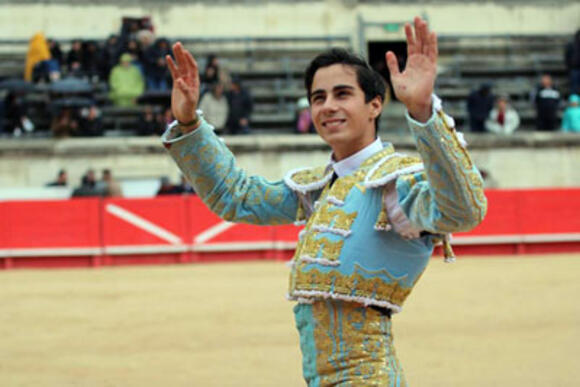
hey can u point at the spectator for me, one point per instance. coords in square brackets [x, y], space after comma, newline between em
[149, 124]
[134, 49]
[38, 52]
[547, 101]
[211, 74]
[17, 121]
[571, 118]
[503, 119]
[90, 61]
[90, 123]
[109, 186]
[109, 56]
[166, 188]
[167, 117]
[64, 124]
[55, 52]
[145, 38]
[88, 186]
[479, 104]
[61, 179]
[74, 59]
[156, 71]
[572, 59]
[304, 122]
[240, 108]
[215, 107]
[126, 82]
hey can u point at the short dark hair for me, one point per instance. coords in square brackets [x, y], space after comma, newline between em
[370, 81]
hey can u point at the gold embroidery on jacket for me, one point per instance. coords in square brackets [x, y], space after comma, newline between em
[394, 164]
[354, 344]
[319, 248]
[350, 285]
[333, 218]
[309, 176]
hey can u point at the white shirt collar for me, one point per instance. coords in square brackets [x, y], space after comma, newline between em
[351, 163]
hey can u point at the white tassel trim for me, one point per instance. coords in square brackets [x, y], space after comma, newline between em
[381, 228]
[337, 231]
[461, 139]
[449, 260]
[319, 261]
[449, 121]
[301, 300]
[302, 233]
[437, 103]
[305, 188]
[299, 223]
[334, 200]
[366, 301]
[392, 176]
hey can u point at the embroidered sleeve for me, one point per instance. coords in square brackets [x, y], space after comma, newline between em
[226, 189]
[450, 198]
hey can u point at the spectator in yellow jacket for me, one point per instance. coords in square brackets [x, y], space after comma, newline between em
[126, 82]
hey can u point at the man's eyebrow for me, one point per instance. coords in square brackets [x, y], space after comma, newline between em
[335, 88]
[339, 87]
[317, 91]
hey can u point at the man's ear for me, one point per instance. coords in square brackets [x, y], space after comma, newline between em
[376, 105]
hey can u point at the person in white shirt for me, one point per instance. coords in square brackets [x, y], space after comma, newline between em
[503, 119]
[215, 106]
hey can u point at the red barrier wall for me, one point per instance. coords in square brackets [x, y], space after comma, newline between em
[178, 229]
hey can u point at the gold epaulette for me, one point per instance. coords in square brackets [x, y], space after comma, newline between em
[390, 167]
[308, 179]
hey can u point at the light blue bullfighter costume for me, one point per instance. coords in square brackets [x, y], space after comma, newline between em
[371, 223]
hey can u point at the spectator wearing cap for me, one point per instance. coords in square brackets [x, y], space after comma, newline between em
[126, 82]
[503, 119]
[571, 118]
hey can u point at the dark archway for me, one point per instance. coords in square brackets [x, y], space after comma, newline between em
[377, 51]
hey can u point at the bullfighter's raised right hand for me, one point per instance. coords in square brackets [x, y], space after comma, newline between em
[185, 92]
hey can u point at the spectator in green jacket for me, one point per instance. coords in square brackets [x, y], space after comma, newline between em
[126, 82]
[571, 118]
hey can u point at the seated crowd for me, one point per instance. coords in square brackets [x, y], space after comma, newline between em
[108, 186]
[133, 68]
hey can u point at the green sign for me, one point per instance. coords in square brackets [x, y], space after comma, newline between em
[391, 27]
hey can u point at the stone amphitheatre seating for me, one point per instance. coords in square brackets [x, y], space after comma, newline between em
[272, 68]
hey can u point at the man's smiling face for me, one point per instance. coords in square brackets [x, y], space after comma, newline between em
[340, 114]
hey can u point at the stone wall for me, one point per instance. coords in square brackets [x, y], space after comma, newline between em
[98, 19]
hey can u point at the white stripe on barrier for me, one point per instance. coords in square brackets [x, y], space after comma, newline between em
[234, 246]
[212, 232]
[143, 224]
[259, 245]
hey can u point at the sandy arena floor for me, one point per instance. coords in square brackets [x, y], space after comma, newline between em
[505, 321]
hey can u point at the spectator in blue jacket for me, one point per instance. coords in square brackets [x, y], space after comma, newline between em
[571, 119]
